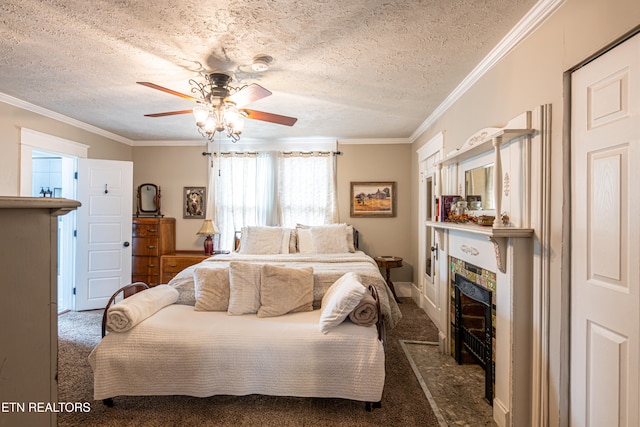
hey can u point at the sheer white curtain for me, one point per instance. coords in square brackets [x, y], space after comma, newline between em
[307, 188]
[244, 192]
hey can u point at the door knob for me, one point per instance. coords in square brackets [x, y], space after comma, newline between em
[126, 244]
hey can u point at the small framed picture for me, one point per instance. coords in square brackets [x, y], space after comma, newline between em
[373, 199]
[195, 200]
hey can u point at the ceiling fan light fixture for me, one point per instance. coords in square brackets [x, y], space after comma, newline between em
[237, 126]
[210, 124]
[220, 106]
[201, 112]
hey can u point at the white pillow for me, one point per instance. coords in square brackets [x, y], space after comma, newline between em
[211, 286]
[305, 242]
[330, 239]
[258, 240]
[340, 300]
[325, 239]
[244, 287]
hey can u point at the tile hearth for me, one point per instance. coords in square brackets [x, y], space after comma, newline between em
[457, 390]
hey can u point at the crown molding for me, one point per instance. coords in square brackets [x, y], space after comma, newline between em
[170, 143]
[527, 25]
[62, 118]
[371, 141]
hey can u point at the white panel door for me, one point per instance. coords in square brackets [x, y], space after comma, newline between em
[605, 247]
[105, 189]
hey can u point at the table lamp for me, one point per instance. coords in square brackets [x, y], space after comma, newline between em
[208, 228]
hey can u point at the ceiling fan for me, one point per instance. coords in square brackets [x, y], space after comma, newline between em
[220, 105]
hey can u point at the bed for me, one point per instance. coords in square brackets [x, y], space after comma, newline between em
[184, 350]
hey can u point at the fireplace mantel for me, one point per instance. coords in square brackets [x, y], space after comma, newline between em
[499, 236]
[506, 250]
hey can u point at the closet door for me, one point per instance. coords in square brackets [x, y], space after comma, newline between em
[605, 298]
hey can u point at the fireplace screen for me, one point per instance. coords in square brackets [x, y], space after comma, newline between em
[477, 341]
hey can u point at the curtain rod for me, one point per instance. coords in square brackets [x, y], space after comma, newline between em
[335, 153]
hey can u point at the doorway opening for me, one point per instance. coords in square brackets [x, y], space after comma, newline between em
[52, 175]
[49, 163]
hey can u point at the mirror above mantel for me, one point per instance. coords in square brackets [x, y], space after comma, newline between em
[483, 149]
[478, 184]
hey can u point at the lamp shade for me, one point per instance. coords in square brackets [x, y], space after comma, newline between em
[208, 227]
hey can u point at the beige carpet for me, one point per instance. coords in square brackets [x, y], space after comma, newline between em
[403, 403]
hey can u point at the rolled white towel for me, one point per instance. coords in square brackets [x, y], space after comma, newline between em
[130, 311]
[366, 312]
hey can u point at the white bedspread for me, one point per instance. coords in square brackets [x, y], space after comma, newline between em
[327, 268]
[179, 351]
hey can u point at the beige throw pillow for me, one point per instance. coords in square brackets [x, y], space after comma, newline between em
[285, 290]
[244, 285]
[211, 289]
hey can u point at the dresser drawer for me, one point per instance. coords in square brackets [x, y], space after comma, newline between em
[145, 265]
[174, 264]
[144, 230]
[145, 246]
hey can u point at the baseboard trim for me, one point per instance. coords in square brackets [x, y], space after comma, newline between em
[500, 413]
[403, 289]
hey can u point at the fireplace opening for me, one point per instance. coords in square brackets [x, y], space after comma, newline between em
[473, 328]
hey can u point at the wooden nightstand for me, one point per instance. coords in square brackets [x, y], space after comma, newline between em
[389, 262]
[170, 265]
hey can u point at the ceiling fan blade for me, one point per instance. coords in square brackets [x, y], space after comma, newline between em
[169, 113]
[269, 117]
[249, 94]
[169, 91]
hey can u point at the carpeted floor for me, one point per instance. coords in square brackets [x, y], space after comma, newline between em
[403, 403]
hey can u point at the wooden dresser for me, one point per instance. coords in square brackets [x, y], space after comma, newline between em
[170, 265]
[152, 238]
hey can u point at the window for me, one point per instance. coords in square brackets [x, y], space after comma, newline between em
[307, 189]
[270, 188]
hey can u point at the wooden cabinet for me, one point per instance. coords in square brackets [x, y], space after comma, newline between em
[152, 238]
[170, 265]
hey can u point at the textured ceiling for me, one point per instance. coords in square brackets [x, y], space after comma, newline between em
[346, 69]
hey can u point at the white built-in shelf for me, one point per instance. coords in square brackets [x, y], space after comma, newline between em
[481, 143]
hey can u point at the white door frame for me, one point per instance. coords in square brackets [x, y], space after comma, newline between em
[428, 152]
[30, 141]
